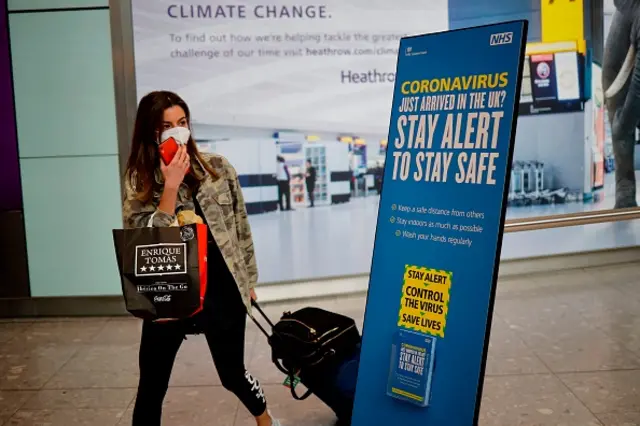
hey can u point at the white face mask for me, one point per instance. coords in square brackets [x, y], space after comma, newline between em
[180, 134]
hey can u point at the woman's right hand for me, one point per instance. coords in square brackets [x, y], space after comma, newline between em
[175, 172]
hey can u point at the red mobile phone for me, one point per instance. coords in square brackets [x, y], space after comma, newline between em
[168, 150]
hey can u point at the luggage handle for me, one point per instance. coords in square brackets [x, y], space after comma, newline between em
[280, 367]
[266, 318]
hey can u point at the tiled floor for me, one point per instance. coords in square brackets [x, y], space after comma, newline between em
[565, 350]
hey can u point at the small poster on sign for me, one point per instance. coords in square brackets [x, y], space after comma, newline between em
[412, 361]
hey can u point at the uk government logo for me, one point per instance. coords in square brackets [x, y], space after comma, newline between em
[498, 39]
[410, 52]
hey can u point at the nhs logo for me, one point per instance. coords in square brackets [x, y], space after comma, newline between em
[501, 38]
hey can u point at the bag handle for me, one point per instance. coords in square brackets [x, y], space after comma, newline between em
[295, 396]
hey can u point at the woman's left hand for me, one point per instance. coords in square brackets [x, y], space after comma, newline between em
[253, 295]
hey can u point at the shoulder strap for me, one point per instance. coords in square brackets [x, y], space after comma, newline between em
[197, 205]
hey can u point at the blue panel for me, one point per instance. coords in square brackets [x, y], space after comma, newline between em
[62, 68]
[440, 223]
[71, 205]
[54, 4]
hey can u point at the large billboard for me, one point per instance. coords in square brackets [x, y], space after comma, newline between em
[314, 81]
[304, 66]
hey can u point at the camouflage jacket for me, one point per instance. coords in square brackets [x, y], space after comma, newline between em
[223, 206]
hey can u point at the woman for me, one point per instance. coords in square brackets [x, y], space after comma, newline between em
[208, 185]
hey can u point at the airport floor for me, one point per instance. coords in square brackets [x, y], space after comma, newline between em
[338, 240]
[565, 350]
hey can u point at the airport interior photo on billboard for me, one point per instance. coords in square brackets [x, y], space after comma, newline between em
[300, 105]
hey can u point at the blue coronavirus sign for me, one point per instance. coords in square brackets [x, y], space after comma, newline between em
[439, 230]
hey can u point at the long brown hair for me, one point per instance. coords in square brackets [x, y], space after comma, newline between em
[144, 158]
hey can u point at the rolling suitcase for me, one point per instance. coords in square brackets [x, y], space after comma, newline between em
[321, 349]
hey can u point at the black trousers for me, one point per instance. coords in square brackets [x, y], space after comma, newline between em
[311, 190]
[225, 334]
[284, 193]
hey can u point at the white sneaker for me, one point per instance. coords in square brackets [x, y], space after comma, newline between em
[274, 422]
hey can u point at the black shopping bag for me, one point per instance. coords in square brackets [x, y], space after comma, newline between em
[163, 270]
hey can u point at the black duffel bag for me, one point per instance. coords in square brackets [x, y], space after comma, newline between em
[310, 342]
